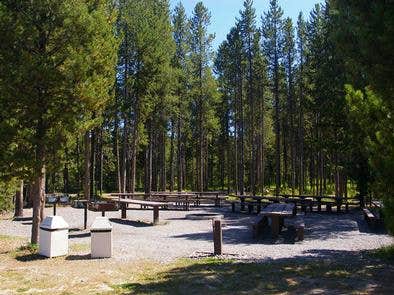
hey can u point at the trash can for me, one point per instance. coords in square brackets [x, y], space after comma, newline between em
[53, 237]
[101, 238]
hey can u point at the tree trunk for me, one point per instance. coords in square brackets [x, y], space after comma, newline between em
[38, 196]
[19, 201]
[172, 172]
[87, 156]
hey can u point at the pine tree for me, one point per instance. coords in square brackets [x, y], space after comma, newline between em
[272, 46]
[46, 63]
[202, 87]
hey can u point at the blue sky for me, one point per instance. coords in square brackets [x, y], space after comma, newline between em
[224, 12]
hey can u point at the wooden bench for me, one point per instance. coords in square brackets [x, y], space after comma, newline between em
[249, 204]
[371, 218]
[259, 225]
[298, 224]
[155, 205]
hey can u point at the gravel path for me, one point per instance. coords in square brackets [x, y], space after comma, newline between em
[175, 236]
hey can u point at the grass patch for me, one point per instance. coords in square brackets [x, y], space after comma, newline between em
[214, 276]
[384, 253]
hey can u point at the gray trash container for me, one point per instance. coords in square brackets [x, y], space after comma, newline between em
[53, 237]
[101, 238]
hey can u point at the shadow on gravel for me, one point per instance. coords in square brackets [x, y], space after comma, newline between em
[78, 257]
[30, 257]
[238, 234]
[130, 222]
[79, 235]
[347, 272]
[23, 218]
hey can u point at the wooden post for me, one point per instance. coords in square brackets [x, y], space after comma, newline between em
[217, 236]
[243, 204]
[103, 213]
[155, 214]
[275, 226]
[54, 209]
[124, 214]
[85, 215]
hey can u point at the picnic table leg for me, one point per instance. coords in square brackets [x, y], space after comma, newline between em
[258, 206]
[242, 204]
[124, 214]
[54, 209]
[155, 214]
[275, 226]
[85, 215]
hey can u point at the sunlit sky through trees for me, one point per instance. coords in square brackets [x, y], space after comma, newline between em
[224, 12]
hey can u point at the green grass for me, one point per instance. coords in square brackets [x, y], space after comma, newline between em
[385, 253]
[214, 276]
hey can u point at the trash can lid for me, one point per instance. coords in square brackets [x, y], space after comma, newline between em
[54, 222]
[101, 223]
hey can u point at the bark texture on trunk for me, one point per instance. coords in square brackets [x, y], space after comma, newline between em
[38, 204]
[19, 201]
[86, 180]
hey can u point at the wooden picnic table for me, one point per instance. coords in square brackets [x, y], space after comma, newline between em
[129, 195]
[209, 195]
[277, 212]
[179, 198]
[155, 205]
[257, 199]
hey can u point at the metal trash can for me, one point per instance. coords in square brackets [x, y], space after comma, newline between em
[53, 237]
[101, 238]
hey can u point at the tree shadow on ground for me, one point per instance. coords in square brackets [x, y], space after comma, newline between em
[318, 226]
[29, 257]
[241, 234]
[131, 222]
[327, 272]
[28, 218]
[79, 257]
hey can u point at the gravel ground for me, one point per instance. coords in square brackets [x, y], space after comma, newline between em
[326, 235]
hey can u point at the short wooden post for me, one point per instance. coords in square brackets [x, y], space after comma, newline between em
[155, 214]
[250, 208]
[258, 206]
[217, 236]
[233, 207]
[242, 204]
[124, 214]
[102, 213]
[54, 209]
[85, 215]
[318, 204]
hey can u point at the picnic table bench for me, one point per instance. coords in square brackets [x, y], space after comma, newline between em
[277, 212]
[373, 218]
[298, 224]
[123, 203]
[180, 199]
[217, 197]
